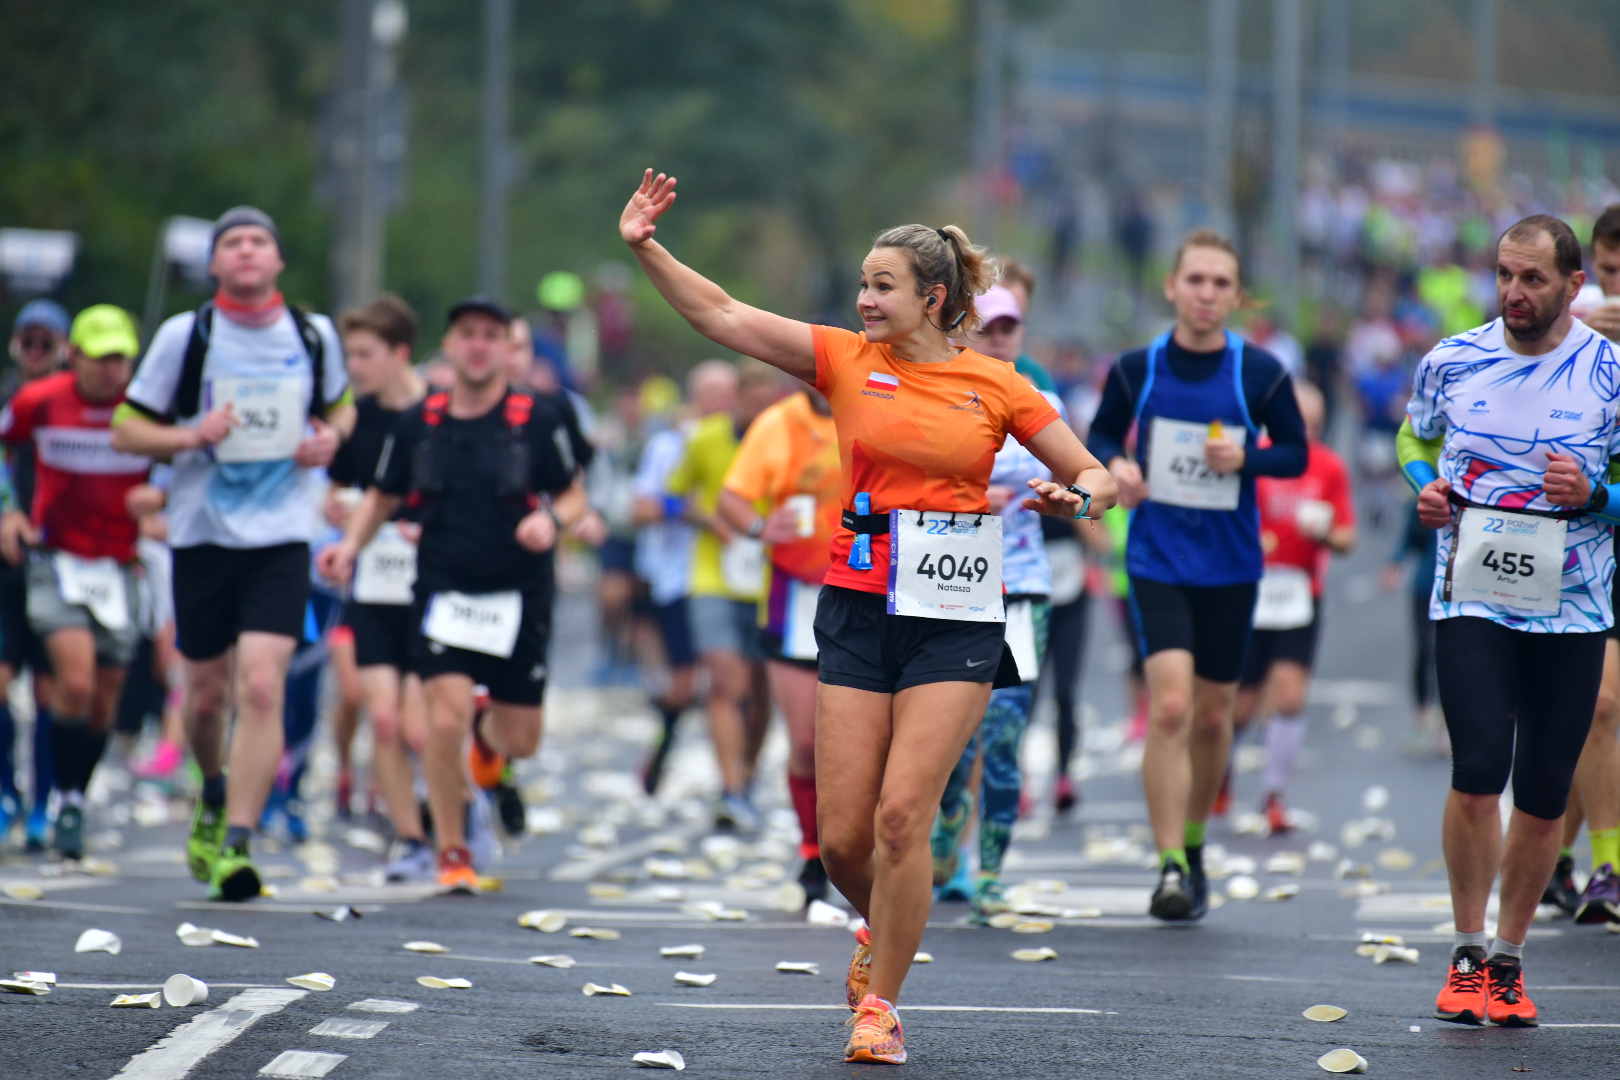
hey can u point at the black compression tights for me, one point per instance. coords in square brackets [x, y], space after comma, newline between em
[1516, 701]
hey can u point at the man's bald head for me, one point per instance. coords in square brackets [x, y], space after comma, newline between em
[712, 387]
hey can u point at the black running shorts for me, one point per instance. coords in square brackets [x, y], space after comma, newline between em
[1210, 621]
[382, 634]
[864, 647]
[221, 593]
[1268, 646]
[519, 679]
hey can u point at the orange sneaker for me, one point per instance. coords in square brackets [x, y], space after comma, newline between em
[486, 765]
[1508, 1004]
[860, 968]
[877, 1035]
[456, 871]
[1462, 999]
[1276, 815]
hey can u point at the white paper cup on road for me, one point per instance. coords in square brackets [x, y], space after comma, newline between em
[682, 952]
[99, 941]
[315, 980]
[1343, 1060]
[183, 990]
[822, 913]
[425, 947]
[547, 922]
[663, 1059]
[137, 1001]
[804, 514]
[687, 978]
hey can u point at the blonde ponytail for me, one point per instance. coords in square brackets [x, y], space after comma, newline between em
[945, 257]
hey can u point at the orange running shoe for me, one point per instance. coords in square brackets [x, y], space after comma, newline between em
[877, 1035]
[860, 968]
[483, 761]
[1462, 1000]
[1276, 815]
[456, 871]
[1508, 1004]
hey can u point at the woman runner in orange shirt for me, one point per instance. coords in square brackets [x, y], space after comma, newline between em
[909, 622]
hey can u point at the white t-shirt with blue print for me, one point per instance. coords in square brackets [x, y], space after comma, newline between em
[242, 504]
[1025, 568]
[1501, 413]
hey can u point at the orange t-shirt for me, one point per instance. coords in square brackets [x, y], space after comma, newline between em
[790, 449]
[916, 436]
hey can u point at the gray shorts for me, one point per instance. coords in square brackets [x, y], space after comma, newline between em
[720, 624]
[48, 612]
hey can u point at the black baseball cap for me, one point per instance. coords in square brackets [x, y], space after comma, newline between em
[484, 305]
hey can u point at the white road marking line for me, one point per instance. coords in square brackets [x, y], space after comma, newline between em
[585, 869]
[64, 905]
[299, 1064]
[903, 1008]
[158, 986]
[1540, 988]
[339, 1028]
[1582, 1025]
[263, 907]
[178, 1052]
[384, 1005]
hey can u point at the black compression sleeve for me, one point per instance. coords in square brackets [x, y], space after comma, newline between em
[1273, 406]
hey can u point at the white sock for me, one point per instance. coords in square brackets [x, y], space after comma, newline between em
[1503, 947]
[1285, 738]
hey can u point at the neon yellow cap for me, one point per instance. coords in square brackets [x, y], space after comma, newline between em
[103, 330]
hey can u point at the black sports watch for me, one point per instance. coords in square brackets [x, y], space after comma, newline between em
[1076, 489]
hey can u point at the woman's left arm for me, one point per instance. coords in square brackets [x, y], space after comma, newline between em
[1060, 449]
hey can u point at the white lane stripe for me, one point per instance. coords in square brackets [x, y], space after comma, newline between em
[586, 869]
[1582, 1025]
[384, 1005]
[156, 986]
[178, 1052]
[65, 905]
[340, 1028]
[903, 1008]
[298, 1064]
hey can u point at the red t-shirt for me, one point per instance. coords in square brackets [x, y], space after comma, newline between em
[1324, 481]
[79, 479]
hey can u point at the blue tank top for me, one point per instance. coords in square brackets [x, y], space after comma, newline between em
[1181, 545]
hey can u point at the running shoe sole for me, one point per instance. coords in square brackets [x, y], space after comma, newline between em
[1466, 1016]
[239, 885]
[1172, 906]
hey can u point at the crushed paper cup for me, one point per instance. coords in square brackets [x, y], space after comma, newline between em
[558, 961]
[315, 980]
[1398, 953]
[1286, 862]
[1374, 938]
[614, 990]
[1005, 920]
[137, 1001]
[710, 910]
[239, 941]
[365, 840]
[21, 986]
[923, 958]
[195, 936]
[339, 914]
[547, 922]
[799, 967]
[183, 990]
[1363, 889]
[1281, 892]
[1242, 887]
[1321, 851]
[789, 896]
[1032, 926]
[433, 982]
[1343, 1060]
[35, 976]
[24, 892]
[686, 978]
[663, 1059]
[1042, 953]
[98, 867]
[1396, 859]
[1375, 798]
[425, 947]
[682, 952]
[1325, 1014]
[99, 941]
[822, 913]
[595, 933]
[1368, 950]
[602, 890]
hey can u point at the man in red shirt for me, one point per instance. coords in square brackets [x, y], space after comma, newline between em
[81, 569]
[1304, 521]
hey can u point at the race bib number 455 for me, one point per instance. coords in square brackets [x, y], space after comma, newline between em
[945, 566]
[1178, 475]
[1500, 557]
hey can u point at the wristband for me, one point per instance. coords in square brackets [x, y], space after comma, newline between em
[1076, 489]
[756, 528]
[674, 507]
[551, 512]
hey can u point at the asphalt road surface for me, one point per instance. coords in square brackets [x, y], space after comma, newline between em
[1123, 998]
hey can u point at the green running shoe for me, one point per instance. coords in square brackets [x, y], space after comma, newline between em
[69, 838]
[235, 877]
[988, 901]
[207, 836]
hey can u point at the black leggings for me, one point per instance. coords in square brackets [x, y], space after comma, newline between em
[1065, 646]
[1516, 701]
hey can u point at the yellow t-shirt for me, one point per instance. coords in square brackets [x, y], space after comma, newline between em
[702, 473]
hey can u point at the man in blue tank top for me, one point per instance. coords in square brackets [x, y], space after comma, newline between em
[1197, 398]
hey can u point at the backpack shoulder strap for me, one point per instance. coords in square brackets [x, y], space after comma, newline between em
[435, 407]
[315, 346]
[517, 409]
[188, 392]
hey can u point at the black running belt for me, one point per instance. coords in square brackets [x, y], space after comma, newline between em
[870, 524]
[1560, 515]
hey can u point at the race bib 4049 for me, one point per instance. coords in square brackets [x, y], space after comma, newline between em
[945, 566]
[1500, 557]
[1178, 475]
[269, 418]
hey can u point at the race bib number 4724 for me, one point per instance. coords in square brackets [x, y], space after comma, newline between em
[1178, 474]
[945, 566]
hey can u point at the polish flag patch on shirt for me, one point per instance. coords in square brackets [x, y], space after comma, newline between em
[877, 380]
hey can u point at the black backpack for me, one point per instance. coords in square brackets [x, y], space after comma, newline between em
[188, 394]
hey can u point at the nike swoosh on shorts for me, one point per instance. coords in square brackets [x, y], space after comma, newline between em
[974, 663]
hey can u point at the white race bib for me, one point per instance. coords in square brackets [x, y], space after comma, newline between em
[1502, 557]
[799, 626]
[1178, 475]
[270, 416]
[945, 566]
[1284, 601]
[386, 568]
[98, 584]
[1068, 570]
[1021, 639]
[742, 565]
[486, 623]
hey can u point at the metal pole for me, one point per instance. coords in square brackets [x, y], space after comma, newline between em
[157, 284]
[349, 156]
[1336, 73]
[1221, 112]
[1287, 27]
[992, 42]
[497, 100]
[1484, 96]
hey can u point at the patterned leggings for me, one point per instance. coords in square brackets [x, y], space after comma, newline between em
[1002, 735]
